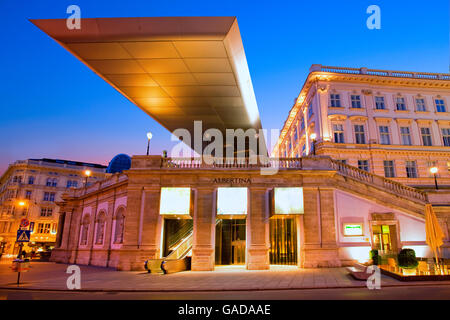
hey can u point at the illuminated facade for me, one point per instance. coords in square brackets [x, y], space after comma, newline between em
[30, 189]
[391, 123]
[314, 212]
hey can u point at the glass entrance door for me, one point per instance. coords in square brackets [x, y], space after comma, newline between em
[283, 241]
[230, 241]
[384, 238]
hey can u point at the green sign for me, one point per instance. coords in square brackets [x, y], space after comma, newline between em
[353, 229]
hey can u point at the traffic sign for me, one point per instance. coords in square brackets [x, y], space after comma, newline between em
[23, 235]
[24, 223]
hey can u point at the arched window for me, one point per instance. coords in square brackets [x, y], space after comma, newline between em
[100, 231]
[120, 221]
[85, 230]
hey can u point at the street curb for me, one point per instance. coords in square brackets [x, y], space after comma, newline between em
[216, 290]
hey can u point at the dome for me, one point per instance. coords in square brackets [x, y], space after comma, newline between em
[119, 163]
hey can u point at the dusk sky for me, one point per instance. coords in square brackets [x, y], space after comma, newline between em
[53, 106]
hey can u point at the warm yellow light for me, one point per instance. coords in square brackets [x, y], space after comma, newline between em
[232, 200]
[288, 200]
[313, 136]
[21, 203]
[175, 201]
[149, 135]
[433, 170]
[87, 173]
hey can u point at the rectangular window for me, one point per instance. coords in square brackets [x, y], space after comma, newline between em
[344, 161]
[338, 130]
[43, 228]
[175, 201]
[288, 201]
[28, 194]
[440, 105]
[446, 136]
[335, 100]
[389, 171]
[72, 183]
[302, 124]
[406, 136]
[49, 196]
[31, 180]
[379, 103]
[295, 134]
[400, 103]
[356, 101]
[411, 169]
[46, 212]
[360, 137]
[232, 201]
[420, 104]
[426, 136]
[384, 135]
[363, 165]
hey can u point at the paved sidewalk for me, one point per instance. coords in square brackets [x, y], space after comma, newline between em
[52, 276]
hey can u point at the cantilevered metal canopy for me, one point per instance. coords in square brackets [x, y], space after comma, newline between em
[176, 69]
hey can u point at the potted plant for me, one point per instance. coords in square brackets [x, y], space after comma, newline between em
[407, 261]
[375, 257]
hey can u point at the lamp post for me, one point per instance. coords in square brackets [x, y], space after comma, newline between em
[313, 138]
[434, 171]
[149, 137]
[87, 174]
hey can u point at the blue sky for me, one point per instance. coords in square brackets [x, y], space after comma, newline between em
[53, 106]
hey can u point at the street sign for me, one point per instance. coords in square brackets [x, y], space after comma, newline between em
[23, 235]
[24, 223]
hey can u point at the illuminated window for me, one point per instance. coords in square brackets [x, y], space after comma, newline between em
[43, 228]
[353, 229]
[232, 201]
[175, 201]
[379, 103]
[288, 201]
[46, 212]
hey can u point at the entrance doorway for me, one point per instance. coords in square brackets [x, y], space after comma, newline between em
[283, 241]
[384, 238]
[174, 232]
[230, 241]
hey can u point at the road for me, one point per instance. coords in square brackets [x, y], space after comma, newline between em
[438, 292]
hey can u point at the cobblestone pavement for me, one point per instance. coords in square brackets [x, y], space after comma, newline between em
[52, 276]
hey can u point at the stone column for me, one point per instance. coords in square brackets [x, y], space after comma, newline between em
[319, 231]
[151, 228]
[204, 230]
[258, 230]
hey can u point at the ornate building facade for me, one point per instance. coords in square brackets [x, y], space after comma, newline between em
[30, 189]
[392, 123]
[313, 212]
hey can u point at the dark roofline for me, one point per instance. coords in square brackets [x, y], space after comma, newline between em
[70, 162]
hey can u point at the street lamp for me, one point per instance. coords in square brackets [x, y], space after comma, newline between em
[313, 138]
[434, 171]
[22, 206]
[149, 137]
[87, 174]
